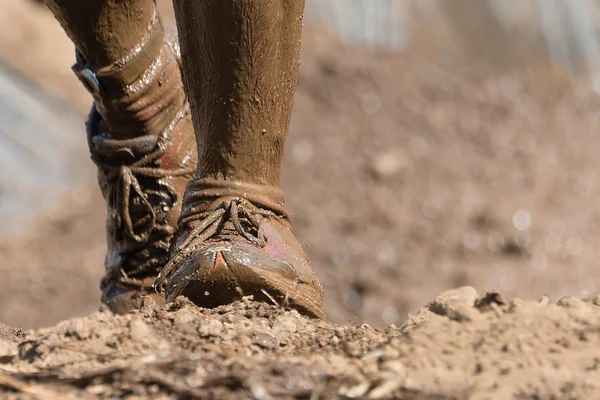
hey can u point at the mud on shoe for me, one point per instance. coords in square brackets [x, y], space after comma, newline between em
[142, 174]
[234, 240]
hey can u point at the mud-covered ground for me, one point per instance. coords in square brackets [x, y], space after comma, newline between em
[459, 346]
[405, 177]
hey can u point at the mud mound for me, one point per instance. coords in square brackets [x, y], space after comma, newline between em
[457, 346]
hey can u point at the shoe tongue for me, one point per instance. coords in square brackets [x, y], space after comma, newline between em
[129, 148]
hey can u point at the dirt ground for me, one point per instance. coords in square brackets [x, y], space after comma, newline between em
[460, 346]
[405, 177]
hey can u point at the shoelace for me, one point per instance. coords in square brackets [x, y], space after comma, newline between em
[126, 184]
[210, 225]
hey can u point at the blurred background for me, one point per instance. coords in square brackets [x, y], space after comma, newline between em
[434, 144]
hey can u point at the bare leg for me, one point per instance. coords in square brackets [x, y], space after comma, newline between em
[240, 63]
[240, 66]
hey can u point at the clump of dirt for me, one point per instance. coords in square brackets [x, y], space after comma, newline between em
[460, 345]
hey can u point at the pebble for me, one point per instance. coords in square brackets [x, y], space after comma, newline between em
[454, 303]
[8, 351]
[263, 339]
[355, 392]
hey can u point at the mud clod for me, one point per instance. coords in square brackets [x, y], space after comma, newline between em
[8, 350]
[457, 303]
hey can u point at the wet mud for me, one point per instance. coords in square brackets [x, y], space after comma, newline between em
[241, 67]
[104, 31]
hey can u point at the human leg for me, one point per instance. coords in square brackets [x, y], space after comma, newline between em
[139, 132]
[240, 65]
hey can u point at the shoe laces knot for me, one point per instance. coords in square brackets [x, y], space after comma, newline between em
[223, 210]
[139, 203]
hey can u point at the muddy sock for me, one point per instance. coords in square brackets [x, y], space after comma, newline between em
[122, 43]
[240, 66]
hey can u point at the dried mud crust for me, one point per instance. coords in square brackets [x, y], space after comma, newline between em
[458, 346]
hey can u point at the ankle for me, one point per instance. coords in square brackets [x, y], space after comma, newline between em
[204, 194]
[248, 164]
[148, 105]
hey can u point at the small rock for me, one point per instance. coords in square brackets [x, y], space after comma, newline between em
[497, 310]
[258, 390]
[8, 351]
[355, 392]
[263, 339]
[448, 303]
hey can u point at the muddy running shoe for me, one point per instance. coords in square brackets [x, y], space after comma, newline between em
[142, 177]
[235, 240]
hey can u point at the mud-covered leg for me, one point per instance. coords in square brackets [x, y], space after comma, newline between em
[240, 66]
[118, 43]
[240, 62]
[139, 132]
[104, 30]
